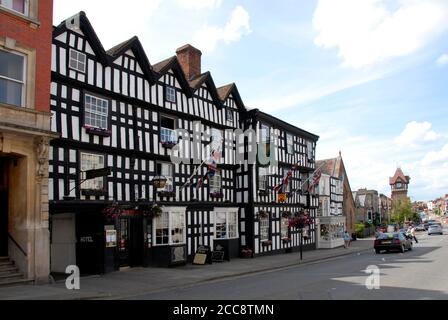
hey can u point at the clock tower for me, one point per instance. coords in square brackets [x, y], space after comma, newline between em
[399, 184]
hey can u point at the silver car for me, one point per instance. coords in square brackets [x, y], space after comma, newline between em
[435, 229]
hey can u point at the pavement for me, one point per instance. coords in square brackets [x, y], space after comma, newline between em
[135, 282]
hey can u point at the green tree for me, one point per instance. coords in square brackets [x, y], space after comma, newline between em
[402, 211]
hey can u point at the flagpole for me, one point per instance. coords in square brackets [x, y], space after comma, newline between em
[309, 178]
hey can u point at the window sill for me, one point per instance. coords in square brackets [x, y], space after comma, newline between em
[218, 195]
[167, 194]
[98, 131]
[169, 145]
[94, 192]
[33, 22]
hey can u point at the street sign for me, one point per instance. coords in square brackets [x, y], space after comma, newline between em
[92, 174]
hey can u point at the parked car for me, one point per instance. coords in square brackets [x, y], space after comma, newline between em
[435, 228]
[396, 241]
[420, 227]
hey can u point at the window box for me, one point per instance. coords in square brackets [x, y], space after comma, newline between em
[263, 193]
[166, 194]
[217, 195]
[247, 253]
[169, 144]
[266, 243]
[94, 193]
[286, 240]
[98, 131]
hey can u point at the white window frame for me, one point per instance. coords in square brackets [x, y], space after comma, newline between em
[23, 82]
[90, 184]
[284, 226]
[264, 227]
[170, 94]
[229, 116]
[77, 61]
[227, 212]
[169, 185]
[95, 112]
[309, 146]
[168, 134]
[215, 183]
[8, 5]
[263, 178]
[289, 143]
[265, 131]
[170, 211]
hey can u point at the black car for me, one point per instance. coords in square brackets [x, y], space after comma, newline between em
[396, 241]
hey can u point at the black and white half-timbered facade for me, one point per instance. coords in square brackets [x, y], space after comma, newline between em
[331, 219]
[175, 176]
[285, 155]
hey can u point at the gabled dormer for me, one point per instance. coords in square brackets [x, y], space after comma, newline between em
[68, 31]
[130, 55]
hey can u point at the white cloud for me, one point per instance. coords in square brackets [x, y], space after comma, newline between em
[199, 4]
[416, 133]
[433, 157]
[120, 23]
[207, 37]
[368, 32]
[442, 60]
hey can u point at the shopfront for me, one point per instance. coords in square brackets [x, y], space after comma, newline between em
[331, 232]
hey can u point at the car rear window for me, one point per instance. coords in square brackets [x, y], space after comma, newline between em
[383, 236]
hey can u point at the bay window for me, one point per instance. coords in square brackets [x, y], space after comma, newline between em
[167, 130]
[12, 78]
[170, 228]
[226, 225]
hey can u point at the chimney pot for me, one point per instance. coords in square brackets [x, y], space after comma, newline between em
[190, 60]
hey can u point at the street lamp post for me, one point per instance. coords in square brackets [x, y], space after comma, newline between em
[301, 244]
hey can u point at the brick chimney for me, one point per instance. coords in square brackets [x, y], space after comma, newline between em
[190, 59]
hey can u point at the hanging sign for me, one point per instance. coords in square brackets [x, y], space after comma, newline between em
[281, 197]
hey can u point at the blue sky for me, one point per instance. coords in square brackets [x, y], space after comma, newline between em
[370, 77]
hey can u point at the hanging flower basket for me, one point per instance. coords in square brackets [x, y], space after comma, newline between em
[300, 220]
[267, 243]
[169, 144]
[112, 212]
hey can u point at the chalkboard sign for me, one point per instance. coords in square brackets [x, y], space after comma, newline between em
[218, 256]
[203, 255]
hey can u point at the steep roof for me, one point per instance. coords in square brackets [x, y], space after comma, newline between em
[206, 78]
[328, 166]
[399, 175]
[225, 91]
[106, 57]
[172, 63]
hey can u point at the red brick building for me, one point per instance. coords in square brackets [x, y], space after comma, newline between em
[25, 69]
